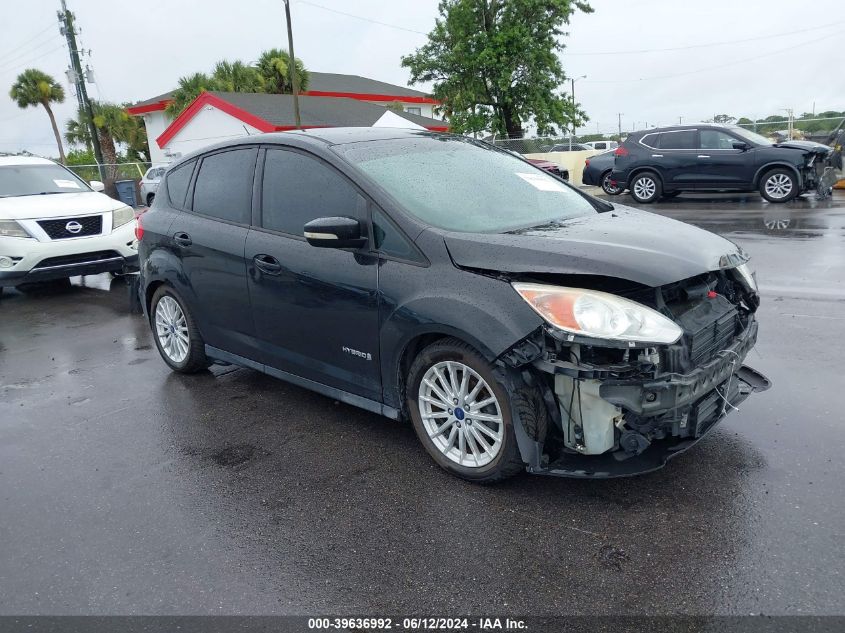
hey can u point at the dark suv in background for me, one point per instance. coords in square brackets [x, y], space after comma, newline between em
[663, 162]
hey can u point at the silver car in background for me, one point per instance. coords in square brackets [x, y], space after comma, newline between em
[149, 184]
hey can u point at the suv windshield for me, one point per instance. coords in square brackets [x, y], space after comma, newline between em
[33, 180]
[460, 185]
[753, 137]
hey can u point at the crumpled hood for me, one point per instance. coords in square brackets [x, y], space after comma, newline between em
[806, 146]
[624, 243]
[59, 205]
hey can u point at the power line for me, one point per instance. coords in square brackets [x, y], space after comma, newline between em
[719, 67]
[692, 46]
[17, 58]
[15, 49]
[359, 17]
[29, 61]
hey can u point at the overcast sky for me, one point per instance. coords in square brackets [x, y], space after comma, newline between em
[140, 50]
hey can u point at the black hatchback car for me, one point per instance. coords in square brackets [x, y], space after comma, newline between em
[516, 322]
[664, 162]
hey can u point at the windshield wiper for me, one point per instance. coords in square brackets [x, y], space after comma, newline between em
[40, 193]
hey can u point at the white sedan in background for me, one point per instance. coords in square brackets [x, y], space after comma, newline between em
[149, 184]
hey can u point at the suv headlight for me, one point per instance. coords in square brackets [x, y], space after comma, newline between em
[747, 276]
[121, 216]
[598, 314]
[10, 228]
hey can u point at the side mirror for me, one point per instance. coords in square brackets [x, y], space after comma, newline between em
[334, 233]
[740, 145]
[96, 185]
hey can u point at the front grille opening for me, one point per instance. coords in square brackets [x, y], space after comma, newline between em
[58, 229]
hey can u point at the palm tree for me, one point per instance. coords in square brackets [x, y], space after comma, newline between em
[77, 131]
[237, 77]
[34, 87]
[274, 67]
[189, 89]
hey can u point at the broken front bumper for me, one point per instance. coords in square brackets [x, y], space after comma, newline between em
[662, 416]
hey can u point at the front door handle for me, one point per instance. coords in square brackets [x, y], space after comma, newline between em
[267, 264]
[657, 155]
[703, 156]
[182, 239]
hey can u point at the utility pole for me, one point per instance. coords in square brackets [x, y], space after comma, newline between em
[680, 120]
[572, 83]
[78, 79]
[619, 118]
[294, 80]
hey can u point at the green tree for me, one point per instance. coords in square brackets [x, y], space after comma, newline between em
[77, 132]
[189, 88]
[495, 65]
[724, 118]
[237, 77]
[33, 88]
[274, 66]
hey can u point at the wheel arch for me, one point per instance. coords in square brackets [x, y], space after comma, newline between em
[646, 168]
[413, 345]
[777, 165]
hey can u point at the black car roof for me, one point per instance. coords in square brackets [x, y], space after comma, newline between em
[680, 128]
[322, 136]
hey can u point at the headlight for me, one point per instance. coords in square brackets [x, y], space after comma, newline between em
[747, 276]
[121, 216]
[598, 314]
[10, 228]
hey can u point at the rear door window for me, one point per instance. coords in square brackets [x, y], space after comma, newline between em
[223, 188]
[685, 139]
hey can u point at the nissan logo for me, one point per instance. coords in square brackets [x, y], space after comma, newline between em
[73, 227]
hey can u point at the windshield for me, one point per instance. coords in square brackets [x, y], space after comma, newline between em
[460, 185]
[33, 180]
[748, 135]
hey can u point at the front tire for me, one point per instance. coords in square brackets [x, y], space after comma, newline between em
[150, 198]
[607, 187]
[175, 332]
[779, 185]
[461, 413]
[646, 188]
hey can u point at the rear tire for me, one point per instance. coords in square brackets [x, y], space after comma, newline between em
[607, 187]
[779, 185]
[462, 413]
[645, 188]
[175, 332]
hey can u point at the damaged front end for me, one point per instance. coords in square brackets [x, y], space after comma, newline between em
[623, 407]
[819, 170]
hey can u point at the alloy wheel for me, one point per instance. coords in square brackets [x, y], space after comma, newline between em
[608, 188]
[461, 414]
[645, 188]
[172, 329]
[778, 186]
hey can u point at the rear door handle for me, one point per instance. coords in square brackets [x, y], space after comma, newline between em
[182, 239]
[267, 264]
[703, 156]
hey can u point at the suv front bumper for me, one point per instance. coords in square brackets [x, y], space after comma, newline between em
[35, 260]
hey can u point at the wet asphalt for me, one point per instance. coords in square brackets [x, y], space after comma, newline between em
[127, 489]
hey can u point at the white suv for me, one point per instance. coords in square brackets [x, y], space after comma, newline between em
[54, 225]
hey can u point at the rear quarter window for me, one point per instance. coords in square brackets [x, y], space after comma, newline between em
[177, 183]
